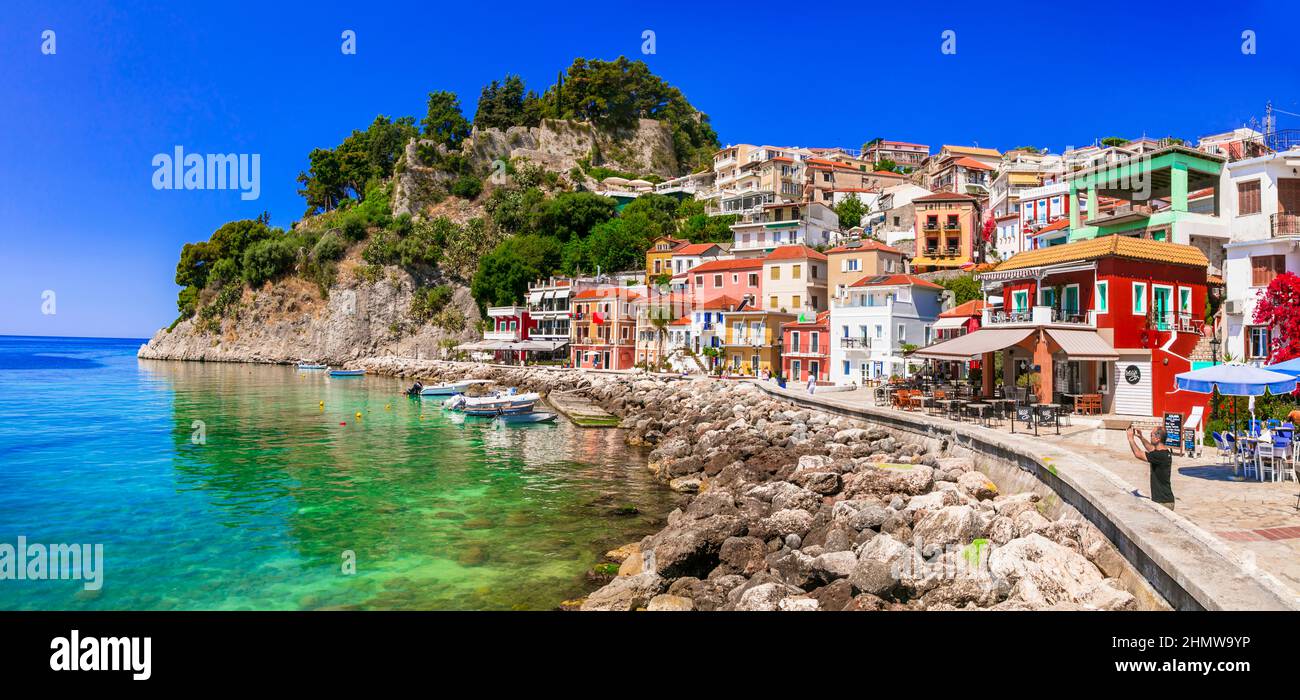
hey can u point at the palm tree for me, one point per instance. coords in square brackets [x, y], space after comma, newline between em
[660, 323]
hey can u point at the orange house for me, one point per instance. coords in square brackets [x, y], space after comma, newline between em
[947, 231]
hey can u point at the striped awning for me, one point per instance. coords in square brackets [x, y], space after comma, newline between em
[972, 345]
[952, 322]
[1082, 345]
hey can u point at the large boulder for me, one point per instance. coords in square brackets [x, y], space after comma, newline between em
[878, 568]
[882, 479]
[767, 596]
[742, 555]
[977, 485]
[626, 593]
[951, 525]
[689, 547]
[1041, 573]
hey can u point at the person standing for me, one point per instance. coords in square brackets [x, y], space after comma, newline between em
[812, 383]
[1156, 454]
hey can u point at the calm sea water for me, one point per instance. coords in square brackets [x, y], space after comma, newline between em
[441, 511]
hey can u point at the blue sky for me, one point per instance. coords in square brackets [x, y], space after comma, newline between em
[78, 129]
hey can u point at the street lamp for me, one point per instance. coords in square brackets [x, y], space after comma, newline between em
[1214, 349]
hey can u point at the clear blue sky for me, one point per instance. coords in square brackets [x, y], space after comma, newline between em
[78, 129]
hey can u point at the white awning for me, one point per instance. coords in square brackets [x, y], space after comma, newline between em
[972, 345]
[563, 293]
[1082, 345]
[952, 322]
[536, 297]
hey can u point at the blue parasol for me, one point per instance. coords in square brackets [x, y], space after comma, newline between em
[1236, 380]
[1291, 367]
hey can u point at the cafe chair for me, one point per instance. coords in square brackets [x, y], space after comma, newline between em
[1224, 449]
[1265, 451]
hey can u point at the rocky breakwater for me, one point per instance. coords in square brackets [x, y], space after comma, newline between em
[796, 509]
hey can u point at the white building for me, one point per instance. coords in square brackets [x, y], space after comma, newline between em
[784, 223]
[879, 316]
[1262, 202]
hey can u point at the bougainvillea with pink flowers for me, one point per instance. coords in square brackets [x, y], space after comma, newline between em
[1279, 308]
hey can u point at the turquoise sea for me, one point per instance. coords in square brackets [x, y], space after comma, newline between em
[232, 487]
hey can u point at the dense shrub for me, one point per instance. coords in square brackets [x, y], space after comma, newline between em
[382, 249]
[266, 260]
[430, 301]
[467, 187]
[331, 246]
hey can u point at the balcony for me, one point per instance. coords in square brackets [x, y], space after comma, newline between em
[858, 343]
[930, 226]
[500, 311]
[1182, 323]
[1040, 316]
[1284, 225]
[504, 336]
[1123, 214]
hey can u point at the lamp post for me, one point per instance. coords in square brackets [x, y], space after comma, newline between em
[1214, 391]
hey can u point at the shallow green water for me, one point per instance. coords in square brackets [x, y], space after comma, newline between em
[442, 512]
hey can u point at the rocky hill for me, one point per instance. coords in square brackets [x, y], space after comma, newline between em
[364, 315]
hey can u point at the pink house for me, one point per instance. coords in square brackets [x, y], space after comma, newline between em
[737, 279]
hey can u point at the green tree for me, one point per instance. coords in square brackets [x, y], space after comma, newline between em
[1113, 141]
[195, 264]
[443, 122]
[515, 210]
[504, 274]
[963, 287]
[268, 259]
[886, 165]
[504, 104]
[574, 214]
[850, 210]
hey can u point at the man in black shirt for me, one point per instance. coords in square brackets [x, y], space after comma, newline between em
[1161, 460]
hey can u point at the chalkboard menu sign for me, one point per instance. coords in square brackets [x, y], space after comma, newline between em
[1025, 414]
[1173, 429]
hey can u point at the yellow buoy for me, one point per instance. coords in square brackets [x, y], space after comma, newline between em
[358, 414]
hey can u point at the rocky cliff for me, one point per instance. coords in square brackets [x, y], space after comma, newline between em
[363, 315]
[556, 145]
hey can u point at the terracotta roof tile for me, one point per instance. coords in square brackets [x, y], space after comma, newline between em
[975, 307]
[894, 281]
[1106, 246]
[725, 265]
[865, 244]
[794, 252]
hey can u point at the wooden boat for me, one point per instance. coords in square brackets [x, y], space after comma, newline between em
[309, 366]
[347, 373]
[491, 411]
[525, 418]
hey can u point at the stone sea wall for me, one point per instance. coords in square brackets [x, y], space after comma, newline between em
[798, 509]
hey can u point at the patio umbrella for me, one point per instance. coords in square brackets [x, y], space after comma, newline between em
[1236, 380]
[1291, 367]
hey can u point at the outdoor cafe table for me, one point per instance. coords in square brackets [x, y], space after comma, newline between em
[920, 401]
[979, 409]
[952, 406]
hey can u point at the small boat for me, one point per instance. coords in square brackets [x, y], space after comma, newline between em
[502, 400]
[524, 418]
[455, 403]
[347, 373]
[446, 389]
[490, 411]
[304, 366]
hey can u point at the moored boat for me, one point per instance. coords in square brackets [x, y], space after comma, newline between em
[525, 418]
[310, 366]
[445, 389]
[347, 373]
[498, 410]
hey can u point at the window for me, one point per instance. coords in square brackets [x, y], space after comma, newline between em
[796, 272]
[1258, 341]
[699, 280]
[735, 278]
[776, 303]
[794, 302]
[717, 281]
[1103, 297]
[1248, 198]
[776, 273]
[1020, 300]
[753, 279]
[794, 341]
[816, 342]
[848, 369]
[1263, 268]
[852, 265]
[1184, 300]
[846, 331]
[1139, 298]
[902, 333]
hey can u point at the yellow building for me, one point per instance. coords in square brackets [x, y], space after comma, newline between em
[947, 231]
[659, 259]
[752, 341]
[854, 260]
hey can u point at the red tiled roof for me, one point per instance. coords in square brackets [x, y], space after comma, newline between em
[724, 265]
[887, 173]
[683, 321]
[974, 307]
[794, 252]
[693, 248]
[1054, 226]
[866, 245]
[894, 281]
[968, 162]
[720, 302]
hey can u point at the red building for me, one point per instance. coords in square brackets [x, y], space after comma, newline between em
[806, 350]
[1116, 316]
[738, 279]
[511, 325]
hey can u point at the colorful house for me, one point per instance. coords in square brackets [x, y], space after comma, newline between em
[740, 279]
[877, 321]
[784, 223]
[604, 328]
[658, 260]
[751, 344]
[1114, 316]
[851, 261]
[511, 325]
[806, 350]
[947, 231]
[794, 280]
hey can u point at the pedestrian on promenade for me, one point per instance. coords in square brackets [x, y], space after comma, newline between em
[1156, 454]
[812, 383]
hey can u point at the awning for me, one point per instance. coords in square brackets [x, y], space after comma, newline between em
[538, 345]
[536, 297]
[972, 345]
[953, 322]
[563, 293]
[1082, 345]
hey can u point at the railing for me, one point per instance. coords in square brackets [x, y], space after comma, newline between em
[1040, 315]
[930, 226]
[862, 343]
[1183, 323]
[1284, 224]
[508, 336]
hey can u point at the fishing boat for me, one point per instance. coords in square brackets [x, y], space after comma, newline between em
[347, 373]
[503, 400]
[304, 366]
[525, 418]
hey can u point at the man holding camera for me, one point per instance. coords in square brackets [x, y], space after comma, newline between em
[1161, 460]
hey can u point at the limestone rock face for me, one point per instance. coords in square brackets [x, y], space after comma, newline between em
[1036, 571]
[626, 592]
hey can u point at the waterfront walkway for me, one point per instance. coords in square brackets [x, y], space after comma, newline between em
[1230, 544]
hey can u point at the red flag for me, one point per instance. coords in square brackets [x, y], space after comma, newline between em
[598, 317]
